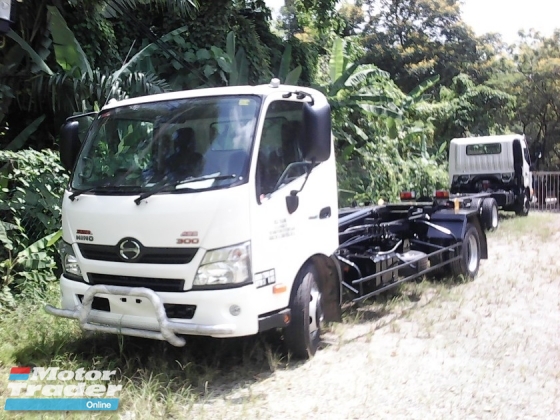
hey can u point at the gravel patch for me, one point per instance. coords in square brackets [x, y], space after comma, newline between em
[487, 349]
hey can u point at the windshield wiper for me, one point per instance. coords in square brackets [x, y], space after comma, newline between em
[165, 185]
[80, 192]
[97, 188]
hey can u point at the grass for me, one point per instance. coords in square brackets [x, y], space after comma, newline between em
[535, 224]
[159, 381]
[163, 382]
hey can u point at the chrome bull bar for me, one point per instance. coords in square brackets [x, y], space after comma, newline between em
[168, 330]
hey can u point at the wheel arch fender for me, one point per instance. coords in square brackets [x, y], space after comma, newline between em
[457, 225]
[329, 284]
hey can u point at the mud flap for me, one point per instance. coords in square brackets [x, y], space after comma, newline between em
[330, 286]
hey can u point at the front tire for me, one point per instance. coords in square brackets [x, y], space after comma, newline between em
[303, 335]
[469, 264]
[489, 215]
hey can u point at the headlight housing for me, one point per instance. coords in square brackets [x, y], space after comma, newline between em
[70, 265]
[224, 268]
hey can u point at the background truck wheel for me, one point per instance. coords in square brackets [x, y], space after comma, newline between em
[468, 265]
[490, 218]
[303, 335]
[522, 209]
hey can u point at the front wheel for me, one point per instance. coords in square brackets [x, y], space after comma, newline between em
[469, 263]
[303, 335]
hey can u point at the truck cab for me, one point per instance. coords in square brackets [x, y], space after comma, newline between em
[499, 165]
[205, 200]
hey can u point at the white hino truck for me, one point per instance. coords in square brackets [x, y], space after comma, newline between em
[214, 212]
[492, 167]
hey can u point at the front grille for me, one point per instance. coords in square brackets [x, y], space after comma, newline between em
[147, 256]
[157, 285]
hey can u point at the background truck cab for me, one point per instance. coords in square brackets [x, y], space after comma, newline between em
[499, 165]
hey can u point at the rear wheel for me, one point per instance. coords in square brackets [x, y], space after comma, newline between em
[469, 263]
[522, 207]
[489, 216]
[303, 334]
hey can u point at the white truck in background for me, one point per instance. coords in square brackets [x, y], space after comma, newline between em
[495, 167]
[214, 212]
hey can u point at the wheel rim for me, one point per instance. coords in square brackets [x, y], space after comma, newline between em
[472, 254]
[315, 311]
[494, 217]
[526, 204]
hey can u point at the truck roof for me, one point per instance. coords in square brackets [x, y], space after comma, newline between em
[260, 90]
[506, 138]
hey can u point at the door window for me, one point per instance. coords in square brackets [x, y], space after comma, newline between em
[280, 147]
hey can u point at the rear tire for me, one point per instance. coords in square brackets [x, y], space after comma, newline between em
[469, 264]
[522, 209]
[303, 335]
[489, 215]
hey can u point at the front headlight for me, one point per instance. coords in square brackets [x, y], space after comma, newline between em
[225, 267]
[70, 264]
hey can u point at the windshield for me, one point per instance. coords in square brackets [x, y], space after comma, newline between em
[132, 148]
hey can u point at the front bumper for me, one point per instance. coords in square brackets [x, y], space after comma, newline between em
[140, 312]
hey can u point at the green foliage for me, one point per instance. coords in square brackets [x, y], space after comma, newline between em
[28, 272]
[379, 173]
[68, 52]
[385, 138]
[467, 109]
[30, 207]
[21, 138]
[530, 74]
[416, 39]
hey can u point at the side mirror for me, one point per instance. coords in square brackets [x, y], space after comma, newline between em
[69, 144]
[292, 202]
[316, 145]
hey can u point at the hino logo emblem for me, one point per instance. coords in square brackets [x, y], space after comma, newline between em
[129, 249]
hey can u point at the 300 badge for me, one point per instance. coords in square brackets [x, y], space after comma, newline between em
[187, 241]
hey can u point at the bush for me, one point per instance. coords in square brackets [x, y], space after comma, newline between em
[30, 203]
[378, 172]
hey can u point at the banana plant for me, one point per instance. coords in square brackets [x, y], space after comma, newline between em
[31, 258]
[117, 8]
[287, 76]
[76, 83]
[346, 78]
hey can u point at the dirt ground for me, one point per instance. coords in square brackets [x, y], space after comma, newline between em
[486, 349]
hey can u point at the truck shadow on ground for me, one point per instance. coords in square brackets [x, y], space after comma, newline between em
[400, 302]
[205, 367]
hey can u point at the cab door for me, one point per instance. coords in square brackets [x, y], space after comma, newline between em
[285, 236]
